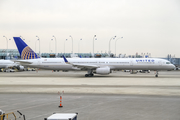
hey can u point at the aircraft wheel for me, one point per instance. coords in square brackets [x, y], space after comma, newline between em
[156, 75]
[86, 75]
[92, 75]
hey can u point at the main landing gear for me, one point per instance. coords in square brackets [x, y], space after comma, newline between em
[90, 74]
[156, 74]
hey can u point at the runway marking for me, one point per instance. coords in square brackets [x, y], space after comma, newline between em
[82, 86]
[52, 102]
[95, 104]
[21, 103]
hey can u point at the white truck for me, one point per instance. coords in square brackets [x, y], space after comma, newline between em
[62, 116]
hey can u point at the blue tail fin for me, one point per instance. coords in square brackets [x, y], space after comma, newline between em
[65, 60]
[24, 50]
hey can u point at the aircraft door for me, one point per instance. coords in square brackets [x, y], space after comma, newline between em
[131, 62]
[160, 63]
[38, 62]
[97, 62]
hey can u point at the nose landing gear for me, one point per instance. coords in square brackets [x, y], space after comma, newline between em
[156, 74]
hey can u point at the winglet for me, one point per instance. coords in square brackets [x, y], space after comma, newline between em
[65, 60]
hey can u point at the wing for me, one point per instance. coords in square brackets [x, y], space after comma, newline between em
[82, 66]
[23, 62]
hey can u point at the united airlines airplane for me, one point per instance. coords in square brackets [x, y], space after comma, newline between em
[103, 66]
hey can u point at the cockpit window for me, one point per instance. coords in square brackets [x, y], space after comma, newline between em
[168, 63]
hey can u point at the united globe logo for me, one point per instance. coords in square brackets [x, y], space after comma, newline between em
[28, 53]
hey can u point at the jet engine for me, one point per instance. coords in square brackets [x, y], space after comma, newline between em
[21, 68]
[103, 71]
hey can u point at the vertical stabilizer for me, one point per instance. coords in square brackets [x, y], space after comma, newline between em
[24, 50]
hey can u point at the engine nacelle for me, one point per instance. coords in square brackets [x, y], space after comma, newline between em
[103, 71]
[21, 68]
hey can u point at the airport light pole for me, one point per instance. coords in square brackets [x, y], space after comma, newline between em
[21, 37]
[7, 43]
[78, 45]
[50, 46]
[55, 44]
[115, 44]
[64, 44]
[72, 43]
[35, 45]
[39, 45]
[93, 44]
[110, 43]
[10, 51]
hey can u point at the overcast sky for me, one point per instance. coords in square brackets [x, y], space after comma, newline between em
[151, 26]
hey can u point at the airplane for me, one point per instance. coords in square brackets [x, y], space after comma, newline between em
[103, 66]
[5, 64]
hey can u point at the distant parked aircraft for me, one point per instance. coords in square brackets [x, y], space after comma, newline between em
[6, 64]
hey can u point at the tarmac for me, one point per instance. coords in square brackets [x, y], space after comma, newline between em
[37, 106]
[168, 83]
[120, 95]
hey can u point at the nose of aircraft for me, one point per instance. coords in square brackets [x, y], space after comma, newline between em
[173, 66]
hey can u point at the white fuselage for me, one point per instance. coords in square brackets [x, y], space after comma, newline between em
[112, 63]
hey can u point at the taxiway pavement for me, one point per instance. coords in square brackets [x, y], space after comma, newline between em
[119, 95]
[168, 83]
